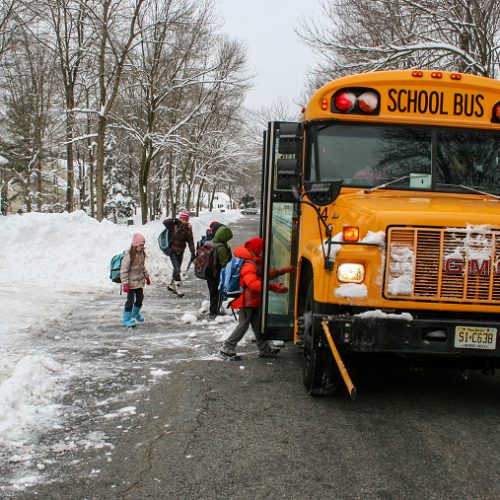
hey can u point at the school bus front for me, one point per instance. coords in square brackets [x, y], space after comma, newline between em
[396, 225]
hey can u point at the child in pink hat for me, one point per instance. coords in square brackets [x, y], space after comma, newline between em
[134, 275]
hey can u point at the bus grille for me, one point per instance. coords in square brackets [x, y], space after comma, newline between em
[448, 265]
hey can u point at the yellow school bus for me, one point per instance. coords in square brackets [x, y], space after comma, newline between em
[386, 197]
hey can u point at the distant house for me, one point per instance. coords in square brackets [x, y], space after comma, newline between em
[222, 202]
[53, 189]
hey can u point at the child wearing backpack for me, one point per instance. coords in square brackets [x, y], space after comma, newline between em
[248, 302]
[222, 257]
[133, 275]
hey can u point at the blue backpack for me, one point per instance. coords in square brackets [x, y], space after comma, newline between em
[164, 241]
[114, 267]
[229, 284]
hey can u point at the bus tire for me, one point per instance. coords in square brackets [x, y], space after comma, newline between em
[319, 373]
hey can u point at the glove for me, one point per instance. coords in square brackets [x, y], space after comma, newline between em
[148, 281]
[126, 288]
[278, 288]
[288, 269]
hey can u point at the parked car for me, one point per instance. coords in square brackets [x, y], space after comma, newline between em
[250, 211]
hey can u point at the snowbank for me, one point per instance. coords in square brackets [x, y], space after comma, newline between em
[49, 265]
[49, 262]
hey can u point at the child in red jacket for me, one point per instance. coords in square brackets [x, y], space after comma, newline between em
[248, 302]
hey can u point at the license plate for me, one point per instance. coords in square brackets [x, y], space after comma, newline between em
[475, 337]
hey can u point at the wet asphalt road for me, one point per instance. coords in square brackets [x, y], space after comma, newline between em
[247, 430]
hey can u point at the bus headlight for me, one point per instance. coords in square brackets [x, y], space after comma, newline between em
[351, 273]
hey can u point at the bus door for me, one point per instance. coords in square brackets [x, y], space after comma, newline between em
[279, 225]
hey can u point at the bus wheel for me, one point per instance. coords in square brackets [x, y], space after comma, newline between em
[319, 373]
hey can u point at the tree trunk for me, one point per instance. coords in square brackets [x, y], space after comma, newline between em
[99, 174]
[4, 198]
[198, 197]
[70, 172]
[212, 196]
[143, 182]
[90, 150]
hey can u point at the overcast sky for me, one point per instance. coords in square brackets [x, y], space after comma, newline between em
[276, 56]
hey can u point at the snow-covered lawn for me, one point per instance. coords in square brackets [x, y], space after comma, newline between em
[51, 265]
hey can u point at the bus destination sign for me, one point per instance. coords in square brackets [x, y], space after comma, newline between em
[435, 103]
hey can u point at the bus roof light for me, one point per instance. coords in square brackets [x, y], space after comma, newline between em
[436, 74]
[456, 76]
[344, 101]
[350, 233]
[417, 74]
[324, 104]
[368, 102]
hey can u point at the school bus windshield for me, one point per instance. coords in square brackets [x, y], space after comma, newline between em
[421, 157]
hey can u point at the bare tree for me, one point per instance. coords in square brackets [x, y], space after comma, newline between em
[68, 21]
[149, 90]
[29, 125]
[7, 17]
[183, 88]
[366, 35]
[111, 20]
[165, 53]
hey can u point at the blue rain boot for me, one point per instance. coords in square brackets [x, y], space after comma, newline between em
[136, 314]
[127, 319]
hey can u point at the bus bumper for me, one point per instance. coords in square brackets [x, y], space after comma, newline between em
[444, 337]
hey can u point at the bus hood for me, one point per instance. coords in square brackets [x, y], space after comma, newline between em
[378, 209]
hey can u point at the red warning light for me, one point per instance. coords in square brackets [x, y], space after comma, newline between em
[344, 101]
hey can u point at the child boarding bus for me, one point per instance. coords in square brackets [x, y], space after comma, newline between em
[386, 196]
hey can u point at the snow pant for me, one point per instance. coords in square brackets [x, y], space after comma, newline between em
[213, 290]
[134, 298]
[176, 260]
[246, 316]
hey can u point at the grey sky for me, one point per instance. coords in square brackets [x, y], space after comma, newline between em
[276, 56]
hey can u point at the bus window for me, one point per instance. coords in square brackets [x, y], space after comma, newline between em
[365, 155]
[468, 158]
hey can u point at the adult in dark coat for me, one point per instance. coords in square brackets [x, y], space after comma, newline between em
[181, 234]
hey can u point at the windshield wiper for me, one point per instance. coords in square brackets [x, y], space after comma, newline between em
[394, 180]
[474, 190]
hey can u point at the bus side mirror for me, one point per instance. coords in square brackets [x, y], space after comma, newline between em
[322, 193]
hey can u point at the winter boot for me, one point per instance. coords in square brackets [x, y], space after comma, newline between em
[127, 319]
[232, 356]
[171, 286]
[177, 286]
[136, 314]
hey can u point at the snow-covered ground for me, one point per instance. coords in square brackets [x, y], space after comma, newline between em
[51, 265]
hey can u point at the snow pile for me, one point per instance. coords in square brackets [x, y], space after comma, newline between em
[401, 271]
[27, 397]
[379, 314]
[352, 291]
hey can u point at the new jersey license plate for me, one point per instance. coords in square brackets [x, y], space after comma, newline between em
[475, 337]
